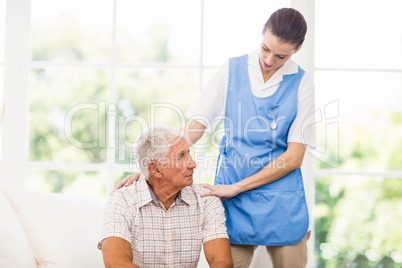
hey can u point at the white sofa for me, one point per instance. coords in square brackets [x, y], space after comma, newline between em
[49, 230]
[44, 230]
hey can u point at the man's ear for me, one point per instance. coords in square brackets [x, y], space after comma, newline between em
[153, 168]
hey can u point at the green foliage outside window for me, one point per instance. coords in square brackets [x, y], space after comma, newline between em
[358, 218]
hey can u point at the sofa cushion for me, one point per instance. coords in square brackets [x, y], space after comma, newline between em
[62, 229]
[14, 246]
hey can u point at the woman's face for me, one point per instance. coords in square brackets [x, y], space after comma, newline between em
[273, 52]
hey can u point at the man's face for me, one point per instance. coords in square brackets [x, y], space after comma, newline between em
[179, 167]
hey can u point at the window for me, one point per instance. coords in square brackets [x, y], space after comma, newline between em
[95, 79]
[358, 170]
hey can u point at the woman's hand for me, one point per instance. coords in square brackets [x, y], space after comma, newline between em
[128, 180]
[222, 191]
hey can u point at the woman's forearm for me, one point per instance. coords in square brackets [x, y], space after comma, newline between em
[290, 160]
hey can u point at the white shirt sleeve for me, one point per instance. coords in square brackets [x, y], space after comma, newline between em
[209, 107]
[301, 131]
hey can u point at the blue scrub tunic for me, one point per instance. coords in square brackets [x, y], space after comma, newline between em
[274, 214]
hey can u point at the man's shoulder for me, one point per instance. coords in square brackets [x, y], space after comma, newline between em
[125, 195]
[198, 190]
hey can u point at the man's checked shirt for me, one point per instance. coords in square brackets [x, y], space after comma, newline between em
[160, 237]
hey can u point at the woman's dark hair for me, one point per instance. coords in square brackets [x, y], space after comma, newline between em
[288, 25]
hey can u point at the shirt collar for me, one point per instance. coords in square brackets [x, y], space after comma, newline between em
[147, 195]
[154, 198]
[143, 192]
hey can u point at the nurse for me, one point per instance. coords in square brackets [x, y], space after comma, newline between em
[265, 99]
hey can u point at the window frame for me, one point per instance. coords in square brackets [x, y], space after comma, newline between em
[18, 64]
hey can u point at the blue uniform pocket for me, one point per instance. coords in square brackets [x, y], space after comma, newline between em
[275, 218]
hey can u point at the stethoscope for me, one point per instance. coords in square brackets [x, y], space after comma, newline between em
[273, 124]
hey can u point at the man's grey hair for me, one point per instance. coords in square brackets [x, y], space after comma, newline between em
[153, 144]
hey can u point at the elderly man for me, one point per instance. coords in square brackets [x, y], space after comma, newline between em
[161, 220]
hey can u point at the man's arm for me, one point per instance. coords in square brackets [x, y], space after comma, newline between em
[217, 253]
[117, 253]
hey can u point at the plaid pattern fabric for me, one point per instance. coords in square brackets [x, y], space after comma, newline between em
[160, 237]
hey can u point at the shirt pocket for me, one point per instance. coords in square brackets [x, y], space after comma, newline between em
[190, 247]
